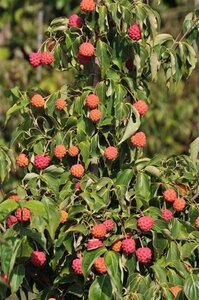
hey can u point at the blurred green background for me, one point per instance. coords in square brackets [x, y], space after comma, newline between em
[172, 122]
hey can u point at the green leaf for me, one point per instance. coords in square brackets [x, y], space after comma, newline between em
[142, 187]
[102, 53]
[132, 126]
[100, 289]
[162, 38]
[89, 258]
[17, 276]
[112, 261]
[37, 207]
[6, 208]
[191, 287]
[54, 216]
[78, 228]
[194, 150]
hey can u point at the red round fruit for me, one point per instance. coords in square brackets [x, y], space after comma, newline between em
[37, 101]
[197, 222]
[82, 59]
[141, 107]
[134, 32]
[92, 101]
[116, 246]
[60, 151]
[86, 49]
[77, 266]
[47, 58]
[77, 170]
[99, 230]
[22, 160]
[11, 220]
[14, 197]
[42, 161]
[179, 204]
[87, 5]
[111, 153]
[78, 186]
[139, 139]
[95, 115]
[38, 258]
[128, 246]
[99, 265]
[5, 278]
[60, 104]
[145, 223]
[110, 224]
[170, 195]
[75, 21]
[144, 255]
[94, 244]
[23, 214]
[73, 151]
[35, 59]
[167, 215]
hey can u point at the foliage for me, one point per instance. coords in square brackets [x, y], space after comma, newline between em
[124, 189]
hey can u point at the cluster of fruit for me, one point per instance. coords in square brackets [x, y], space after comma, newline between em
[110, 153]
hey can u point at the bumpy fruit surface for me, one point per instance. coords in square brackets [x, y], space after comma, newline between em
[139, 139]
[77, 170]
[86, 49]
[129, 64]
[35, 59]
[134, 32]
[111, 153]
[197, 222]
[99, 231]
[10, 221]
[23, 214]
[170, 195]
[167, 215]
[38, 258]
[110, 224]
[75, 21]
[47, 58]
[99, 265]
[60, 151]
[60, 104]
[92, 101]
[22, 160]
[14, 197]
[175, 290]
[144, 255]
[145, 223]
[128, 246]
[37, 101]
[95, 115]
[77, 266]
[116, 246]
[87, 5]
[64, 216]
[179, 204]
[82, 59]
[141, 106]
[94, 244]
[42, 161]
[73, 151]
